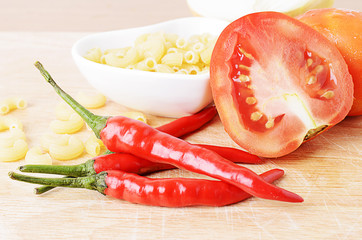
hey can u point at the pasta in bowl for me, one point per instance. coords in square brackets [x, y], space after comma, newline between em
[157, 86]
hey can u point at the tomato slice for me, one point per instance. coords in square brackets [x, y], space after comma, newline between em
[277, 82]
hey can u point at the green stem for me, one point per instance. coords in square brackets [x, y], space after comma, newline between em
[94, 182]
[44, 189]
[80, 170]
[95, 122]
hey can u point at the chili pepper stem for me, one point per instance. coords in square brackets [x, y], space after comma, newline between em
[44, 188]
[95, 122]
[94, 182]
[80, 170]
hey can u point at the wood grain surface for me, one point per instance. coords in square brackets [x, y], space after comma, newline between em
[325, 171]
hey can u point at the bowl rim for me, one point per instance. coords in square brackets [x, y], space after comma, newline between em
[117, 70]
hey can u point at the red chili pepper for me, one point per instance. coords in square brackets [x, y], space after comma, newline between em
[166, 192]
[188, 124]
[233, 154]
[121, 134]
[115, 161]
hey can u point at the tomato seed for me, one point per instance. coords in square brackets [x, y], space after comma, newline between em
[255, 116]
[248, 55]
[244, 78]
[311, 80]
[250, 100]
[269, 123]
[318, 69]
[328, 94]
[309, 62]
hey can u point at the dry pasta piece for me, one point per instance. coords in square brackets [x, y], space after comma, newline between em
[198, 47]
[191, 57]
[63, 111]
[171, 38]
[191, 69]
[118, 60]
[72, 149]
[164, 68]
[15, 152]
[181, 43]
[172, 50]
[8, 138]
[7, 123]
[57, 139]
[135, 115]
[173, 59]
[91, 101]
[93, 146]
[153, 47]
[71, 125]
[207, 38]
[94, 55]
[148, 64]
[12, 103]
[182, 71]
[120, 52]
[141, 39]
[37, 155]
[205, 55]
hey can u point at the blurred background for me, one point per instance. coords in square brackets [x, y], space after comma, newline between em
[98, 15]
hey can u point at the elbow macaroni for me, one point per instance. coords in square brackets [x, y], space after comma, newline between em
[93, 146]
[8, 138]
[12, 103]
[154, 51]
[135, 115]
[91, 101]
[64, 148]
[7, 123]
[15, 152]
[13, 146]
[37, 155]
[71, 125]
[67, 120]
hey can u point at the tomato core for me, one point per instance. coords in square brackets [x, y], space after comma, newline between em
[318, 82]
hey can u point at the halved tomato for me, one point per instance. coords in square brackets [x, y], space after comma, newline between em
[277, 82]
[343, 28]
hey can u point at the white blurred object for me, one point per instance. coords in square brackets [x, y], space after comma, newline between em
[231, 10]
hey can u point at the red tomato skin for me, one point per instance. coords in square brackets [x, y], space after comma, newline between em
[344, 28]
[289, 134]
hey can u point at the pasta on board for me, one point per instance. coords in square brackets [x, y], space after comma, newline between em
[12, 103]
[71, 125]
[15, 152]
[72, 149]
[93, 146]
[9, 137]
[37, 155]
[91, 101]
[7, 122]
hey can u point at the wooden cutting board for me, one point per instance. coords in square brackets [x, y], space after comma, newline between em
[325, 171]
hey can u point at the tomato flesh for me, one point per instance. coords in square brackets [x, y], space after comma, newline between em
[274, 80]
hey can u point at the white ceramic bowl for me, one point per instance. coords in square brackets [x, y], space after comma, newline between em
[161, 94]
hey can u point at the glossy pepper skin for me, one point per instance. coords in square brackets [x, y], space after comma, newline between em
[166, 192]
[121, 134]
[176, 192]
[187, 124]
[125, 135]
